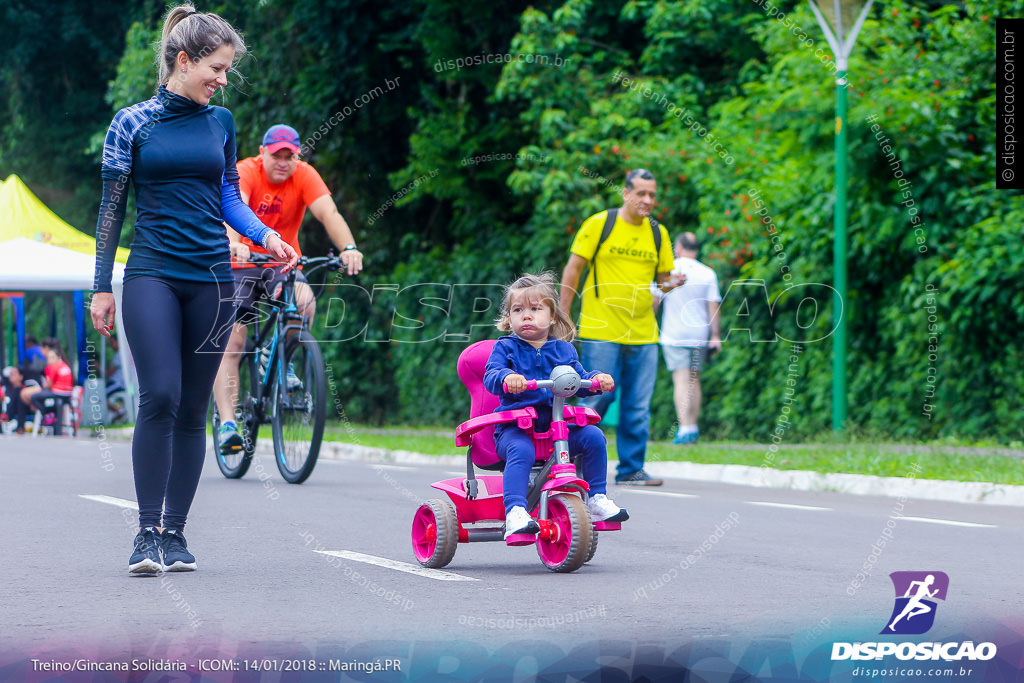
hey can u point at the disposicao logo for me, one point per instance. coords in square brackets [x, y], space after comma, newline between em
[916, 593]
[913, 614]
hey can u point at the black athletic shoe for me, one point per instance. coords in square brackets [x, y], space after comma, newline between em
[639, 478]
[177, 558]
[146, 557]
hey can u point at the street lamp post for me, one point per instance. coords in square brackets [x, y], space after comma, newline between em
[841, 21]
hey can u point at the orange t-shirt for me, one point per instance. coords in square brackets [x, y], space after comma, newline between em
[281, 206]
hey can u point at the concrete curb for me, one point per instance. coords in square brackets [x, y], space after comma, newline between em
[740, 475]
[856, 484]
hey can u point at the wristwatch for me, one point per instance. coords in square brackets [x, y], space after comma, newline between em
[349, 247]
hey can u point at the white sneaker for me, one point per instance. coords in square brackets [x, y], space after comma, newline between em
[602, 509]
[519, 521]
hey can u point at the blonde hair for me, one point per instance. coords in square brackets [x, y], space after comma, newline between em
[196, 34]
[546, 288]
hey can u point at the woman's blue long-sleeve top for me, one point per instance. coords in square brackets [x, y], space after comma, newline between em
[513, 355]
[180, 158]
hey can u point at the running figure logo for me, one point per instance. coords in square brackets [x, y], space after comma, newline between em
[916, 592]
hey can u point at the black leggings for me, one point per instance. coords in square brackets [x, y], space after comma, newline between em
[177, 330]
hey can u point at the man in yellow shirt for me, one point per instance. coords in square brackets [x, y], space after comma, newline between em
[626, 250]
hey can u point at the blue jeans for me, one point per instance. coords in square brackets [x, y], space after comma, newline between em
[634, 368]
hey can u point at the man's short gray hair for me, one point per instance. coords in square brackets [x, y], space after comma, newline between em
[641, 173]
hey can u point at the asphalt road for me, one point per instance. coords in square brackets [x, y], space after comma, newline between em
[775, 566]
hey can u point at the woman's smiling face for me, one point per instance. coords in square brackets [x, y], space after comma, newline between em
[201, 79]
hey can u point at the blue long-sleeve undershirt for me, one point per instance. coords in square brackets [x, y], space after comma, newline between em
[179, 157]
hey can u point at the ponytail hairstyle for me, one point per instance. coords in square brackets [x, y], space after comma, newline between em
[54, 343]
[544, 287]
[196, 34]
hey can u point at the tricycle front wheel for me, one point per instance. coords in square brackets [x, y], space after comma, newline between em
[564, 542]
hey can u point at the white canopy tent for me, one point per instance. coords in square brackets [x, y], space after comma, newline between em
[27, 265]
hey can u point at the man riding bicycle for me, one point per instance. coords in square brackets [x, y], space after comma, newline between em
[278, 187]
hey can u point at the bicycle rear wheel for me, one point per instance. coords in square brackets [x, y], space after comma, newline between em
[235, 465]
[301, 409]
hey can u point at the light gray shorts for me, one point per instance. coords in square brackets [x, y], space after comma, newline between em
[685, 357]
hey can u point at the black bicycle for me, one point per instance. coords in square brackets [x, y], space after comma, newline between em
[281, 381]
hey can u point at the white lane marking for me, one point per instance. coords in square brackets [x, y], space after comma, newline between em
[947, 522]
[657, 493]
[790, 506]
[399, 566]
[109, 500]
[391, 467]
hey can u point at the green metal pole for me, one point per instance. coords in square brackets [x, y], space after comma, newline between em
[839, 262]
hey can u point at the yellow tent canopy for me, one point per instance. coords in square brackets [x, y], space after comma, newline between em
[22, 214]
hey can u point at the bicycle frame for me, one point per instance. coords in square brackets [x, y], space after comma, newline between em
[283, 320]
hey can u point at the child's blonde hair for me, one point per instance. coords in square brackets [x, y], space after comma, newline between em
[545, 287]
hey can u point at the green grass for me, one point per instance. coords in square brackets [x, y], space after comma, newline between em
[429, 441]
[939, 460]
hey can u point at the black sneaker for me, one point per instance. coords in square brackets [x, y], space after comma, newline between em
[177, 558]
[638, 478]
[146, 557]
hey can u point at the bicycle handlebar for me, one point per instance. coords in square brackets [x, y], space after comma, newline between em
[317, 262]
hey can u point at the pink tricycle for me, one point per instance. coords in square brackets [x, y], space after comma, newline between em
[556, 498]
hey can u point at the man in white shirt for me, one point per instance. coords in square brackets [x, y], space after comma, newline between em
[690, 332]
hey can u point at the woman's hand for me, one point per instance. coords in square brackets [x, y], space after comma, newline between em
[515, 384]
[282, 251]
[239, 252]
[102, 310]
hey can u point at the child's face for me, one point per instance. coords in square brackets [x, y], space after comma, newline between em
[529, 317]
[51, 356]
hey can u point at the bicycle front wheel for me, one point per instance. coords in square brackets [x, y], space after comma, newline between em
[301, 409]
[235, 463]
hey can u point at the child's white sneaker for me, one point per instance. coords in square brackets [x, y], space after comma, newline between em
[602, 509]
[519, 521]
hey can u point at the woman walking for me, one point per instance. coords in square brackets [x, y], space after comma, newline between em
[178, 152]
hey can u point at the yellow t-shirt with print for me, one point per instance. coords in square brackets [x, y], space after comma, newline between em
[624, 269]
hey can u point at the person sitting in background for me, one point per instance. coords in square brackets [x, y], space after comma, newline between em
[58, 382]
[35, 355]
[13, 382]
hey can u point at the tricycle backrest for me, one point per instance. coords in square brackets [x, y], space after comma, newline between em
[471, 366]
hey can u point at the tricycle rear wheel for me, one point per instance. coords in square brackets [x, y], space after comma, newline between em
[435, 533]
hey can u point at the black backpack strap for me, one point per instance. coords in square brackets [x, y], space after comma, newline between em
[609, 224]
[656, 229]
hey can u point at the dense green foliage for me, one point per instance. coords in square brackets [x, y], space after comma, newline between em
[469, 173]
